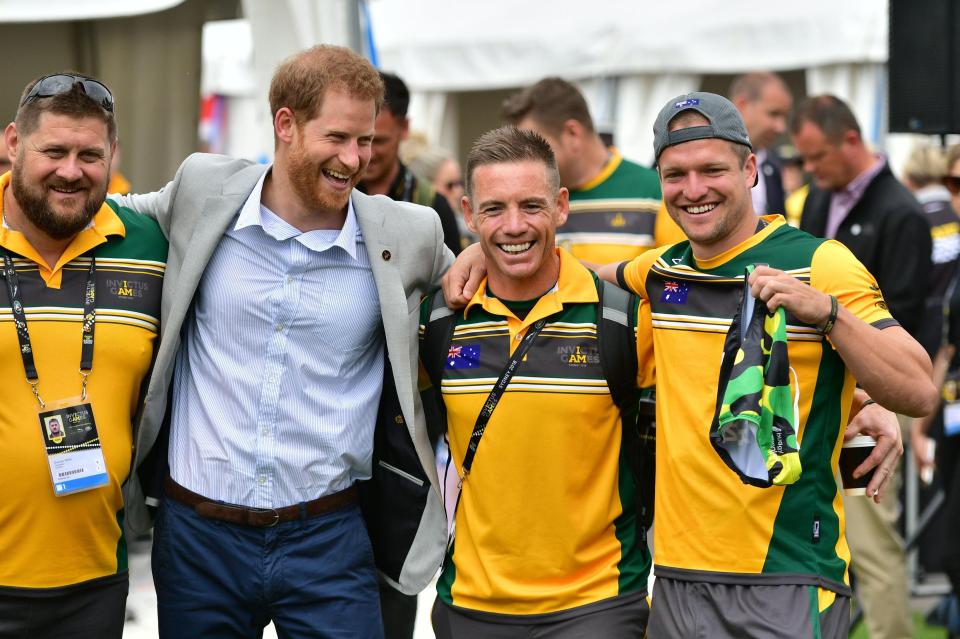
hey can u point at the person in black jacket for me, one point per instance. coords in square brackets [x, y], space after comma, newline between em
[855, 199]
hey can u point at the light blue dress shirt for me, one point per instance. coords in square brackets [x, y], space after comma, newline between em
[280, 370]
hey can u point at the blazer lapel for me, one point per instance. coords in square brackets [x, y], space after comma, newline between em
[208, 228]
[382, 250]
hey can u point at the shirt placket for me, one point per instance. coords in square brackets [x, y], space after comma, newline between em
[283, 308]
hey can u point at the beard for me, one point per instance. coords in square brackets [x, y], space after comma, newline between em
[35, 204]
[308, 182]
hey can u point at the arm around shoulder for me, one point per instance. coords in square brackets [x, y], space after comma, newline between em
[157, 205]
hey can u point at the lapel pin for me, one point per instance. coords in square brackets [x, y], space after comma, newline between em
[385, 255]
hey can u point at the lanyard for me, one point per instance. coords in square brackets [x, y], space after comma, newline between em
[494, 398]
[484, 417]
[23, 334]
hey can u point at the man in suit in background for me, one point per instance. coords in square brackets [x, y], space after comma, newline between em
[286, 290]
[764, 103]
[855, 199]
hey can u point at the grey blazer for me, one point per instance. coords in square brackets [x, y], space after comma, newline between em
[407, 256]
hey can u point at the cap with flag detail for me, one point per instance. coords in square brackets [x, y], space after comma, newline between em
[724, 120]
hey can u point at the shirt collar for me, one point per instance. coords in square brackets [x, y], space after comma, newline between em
[574, 285]
[613, 161]
[254, 213]
[855, 188]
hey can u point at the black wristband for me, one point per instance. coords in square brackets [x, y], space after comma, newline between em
[832, 319]
[867, 402]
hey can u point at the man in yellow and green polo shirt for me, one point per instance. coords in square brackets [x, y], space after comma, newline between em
[79, 316]
[734, 557]
[547, 538]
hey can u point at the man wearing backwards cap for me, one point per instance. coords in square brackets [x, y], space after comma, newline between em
[722, 532]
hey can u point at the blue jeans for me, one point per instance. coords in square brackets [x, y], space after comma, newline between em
[313, 577]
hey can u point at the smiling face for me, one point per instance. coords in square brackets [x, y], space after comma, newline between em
[328, 154]
[515, 209]
[60, 172]
[706, 189]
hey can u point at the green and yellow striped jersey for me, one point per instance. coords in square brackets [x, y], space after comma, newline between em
[709, 525]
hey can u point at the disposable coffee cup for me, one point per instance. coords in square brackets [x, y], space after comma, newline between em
[853, 453]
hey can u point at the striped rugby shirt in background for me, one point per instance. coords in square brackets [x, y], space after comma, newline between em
[546, 522]
[710, 527]
[617, 215]
[48, 541]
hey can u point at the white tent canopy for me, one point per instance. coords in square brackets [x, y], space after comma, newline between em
[65, 10]
[451, 46]
[646, 53]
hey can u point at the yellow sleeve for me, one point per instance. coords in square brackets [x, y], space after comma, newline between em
[646, 367]
[635, 271]
[665, 230]
[835, 271]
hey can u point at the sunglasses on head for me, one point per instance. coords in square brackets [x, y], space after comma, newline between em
[952, 182]
[60, 83]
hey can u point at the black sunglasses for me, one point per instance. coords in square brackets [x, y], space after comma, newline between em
[59, 83]
[952, 182]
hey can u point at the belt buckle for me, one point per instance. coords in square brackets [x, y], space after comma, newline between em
[276, 516]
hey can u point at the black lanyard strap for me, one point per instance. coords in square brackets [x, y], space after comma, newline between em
[23, 333]
[495, 394]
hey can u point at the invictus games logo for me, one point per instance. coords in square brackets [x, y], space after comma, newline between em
[127, 289]
[578, 356]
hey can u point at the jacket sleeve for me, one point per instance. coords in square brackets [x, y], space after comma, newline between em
[157, 205]
[443, 256]
[904, 274]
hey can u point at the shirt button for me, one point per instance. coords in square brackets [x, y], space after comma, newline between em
[272, 379]
[261, 480]
[386, 256]
[279, 328]
[518, 337]
[289, 279]
[265, 431]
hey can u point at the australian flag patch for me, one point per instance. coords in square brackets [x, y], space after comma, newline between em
[675, 292]
[463, 356]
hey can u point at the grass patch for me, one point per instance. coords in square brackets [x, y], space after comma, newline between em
[920, 630]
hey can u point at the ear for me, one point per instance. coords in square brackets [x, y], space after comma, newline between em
[11, 138]
[404, 128]
[285, 125]
[852, 138]
[468, 214]
[572, 129]
[563, 205]
[750, 171]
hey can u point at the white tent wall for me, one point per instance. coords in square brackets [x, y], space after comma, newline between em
[280, 28]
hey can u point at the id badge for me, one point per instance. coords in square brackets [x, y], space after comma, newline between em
[72, 445]
[951, 418]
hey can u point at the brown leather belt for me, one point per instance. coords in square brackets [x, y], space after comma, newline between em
[258, 517]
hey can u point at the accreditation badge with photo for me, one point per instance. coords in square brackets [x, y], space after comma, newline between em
[72, 445]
